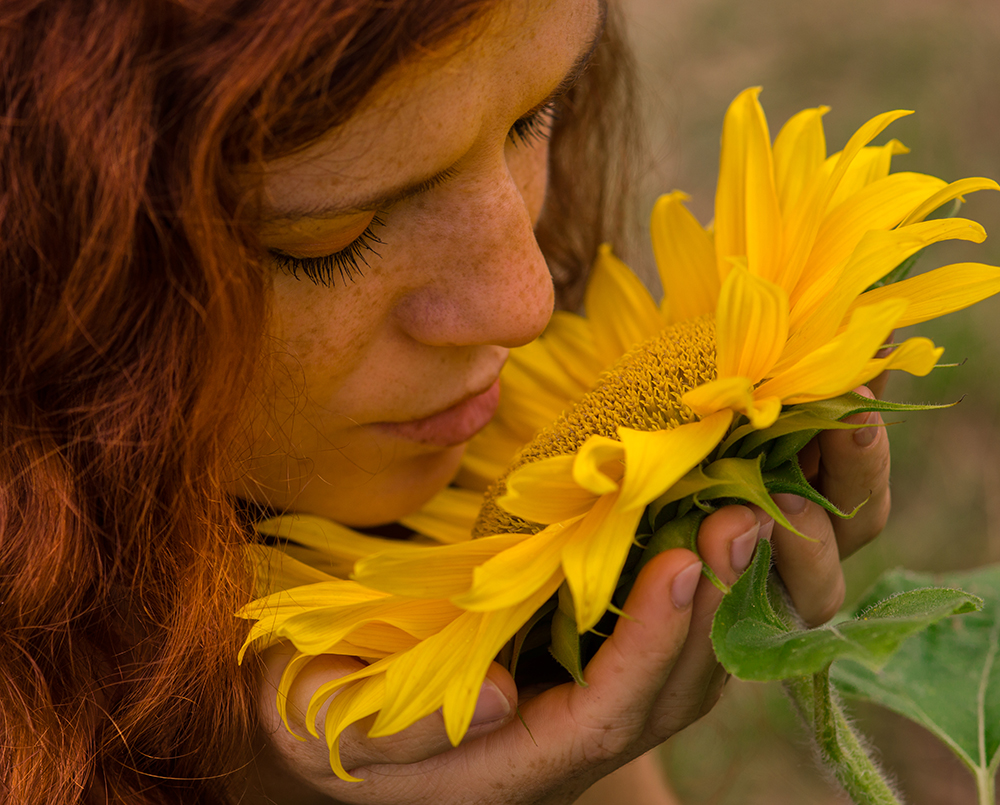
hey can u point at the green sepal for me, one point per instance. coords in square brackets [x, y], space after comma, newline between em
[517, 644]
[789, 478]
[790, 422]
[754, 643]
[818, 415]
[565, 645]
[837, 408]
[727, 478]
[680, 532]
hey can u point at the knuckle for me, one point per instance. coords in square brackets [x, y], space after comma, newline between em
[607, 742]
[603, 739]
[680, 709]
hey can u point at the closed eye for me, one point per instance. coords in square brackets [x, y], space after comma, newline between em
[535, 127]
[345, 263]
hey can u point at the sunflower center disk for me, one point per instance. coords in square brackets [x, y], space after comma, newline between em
[642, 391]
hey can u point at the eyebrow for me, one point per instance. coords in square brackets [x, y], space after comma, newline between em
[395, 195]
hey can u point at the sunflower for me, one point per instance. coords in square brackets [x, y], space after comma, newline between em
[633, 419]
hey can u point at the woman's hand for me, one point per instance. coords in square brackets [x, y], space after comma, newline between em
[654, 676]
[850, 467]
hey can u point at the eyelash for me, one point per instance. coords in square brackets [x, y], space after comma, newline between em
[536, 127]
[323, 270]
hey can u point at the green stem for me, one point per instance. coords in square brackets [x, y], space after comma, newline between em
[986, 787]
[840, 747]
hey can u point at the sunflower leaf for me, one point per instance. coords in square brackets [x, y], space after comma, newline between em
[753, 642]
[947, 679]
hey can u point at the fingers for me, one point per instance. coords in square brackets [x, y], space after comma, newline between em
[855, 469]
[657, 672]
[727, 539]
[810, 568]
[654, 675]
[632, 666]
[422, 740]
[850, 468]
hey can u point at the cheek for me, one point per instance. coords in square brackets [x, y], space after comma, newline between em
[319, 324]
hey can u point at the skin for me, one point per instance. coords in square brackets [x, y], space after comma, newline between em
[459, 281]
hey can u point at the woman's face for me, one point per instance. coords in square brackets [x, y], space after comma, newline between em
[384, 372]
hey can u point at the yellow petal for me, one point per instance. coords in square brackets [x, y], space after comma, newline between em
[319, 630]
[324, 535]
[613, 288]
[937, 292]
[871, 164]
[747, 217]
[877, 254]
[518, 572]
[276, 570]
[459, 701]
[594, 555]
[359, 701]
[439, 571]
[545, 491]
[325, 691]
[799, 151]
[448, 668]
[831, 369]
[949, 193]
[655, 461]
[735, 393]
[881, 205]
[915, 355]
[802, 225]
[685, 258]
[598, 465]
[333, 593]
[535, 370]
[570, 340]
[752, 326]
[448, 516]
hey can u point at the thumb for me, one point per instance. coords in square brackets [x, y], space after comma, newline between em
[309, 758]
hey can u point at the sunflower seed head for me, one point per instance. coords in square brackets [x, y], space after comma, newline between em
[642, 390]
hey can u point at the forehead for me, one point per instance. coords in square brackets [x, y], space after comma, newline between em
[429, 112]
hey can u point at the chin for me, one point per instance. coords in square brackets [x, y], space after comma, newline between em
[385, 497]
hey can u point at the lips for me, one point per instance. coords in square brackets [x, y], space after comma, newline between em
[452, 426]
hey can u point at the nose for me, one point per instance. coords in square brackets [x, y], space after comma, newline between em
[483, 278]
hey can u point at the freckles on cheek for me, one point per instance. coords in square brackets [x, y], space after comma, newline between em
[323, 327]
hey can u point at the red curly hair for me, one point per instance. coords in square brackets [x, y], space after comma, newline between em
[133, 303]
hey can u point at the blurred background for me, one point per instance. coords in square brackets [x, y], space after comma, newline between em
[860, 57]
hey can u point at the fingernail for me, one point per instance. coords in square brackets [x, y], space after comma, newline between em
[766, 528]
[790, 504]
[685, 583]
[741, 549]
[868, 434]
[492, 705]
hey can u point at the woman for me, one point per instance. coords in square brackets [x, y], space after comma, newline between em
[275, 252]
